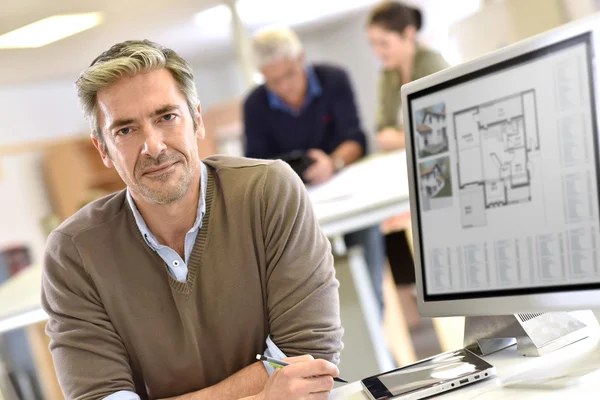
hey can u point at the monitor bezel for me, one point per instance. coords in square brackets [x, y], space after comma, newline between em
[499, 302]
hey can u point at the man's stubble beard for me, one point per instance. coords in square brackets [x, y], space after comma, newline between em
[164, 194]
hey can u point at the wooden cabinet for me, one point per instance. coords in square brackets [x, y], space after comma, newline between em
[76, 175]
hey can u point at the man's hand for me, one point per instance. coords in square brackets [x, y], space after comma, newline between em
[390, 139]
[321, 170]
[306, 378]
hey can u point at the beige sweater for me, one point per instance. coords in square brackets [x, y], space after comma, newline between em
[260, 266]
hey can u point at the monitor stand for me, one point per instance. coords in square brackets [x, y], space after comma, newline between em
[535, 334]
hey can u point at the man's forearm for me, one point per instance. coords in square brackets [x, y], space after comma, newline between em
[349, 151]
[243, 384]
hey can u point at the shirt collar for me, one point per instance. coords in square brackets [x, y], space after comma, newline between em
[149, 238]
[313, 90]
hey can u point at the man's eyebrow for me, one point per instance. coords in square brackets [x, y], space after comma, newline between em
[165, 109]
[120, 122]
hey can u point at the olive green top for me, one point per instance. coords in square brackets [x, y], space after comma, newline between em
[426, 62]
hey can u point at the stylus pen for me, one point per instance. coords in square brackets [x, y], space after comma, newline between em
[280, 364]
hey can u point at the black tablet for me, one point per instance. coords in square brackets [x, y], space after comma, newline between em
[431, 376]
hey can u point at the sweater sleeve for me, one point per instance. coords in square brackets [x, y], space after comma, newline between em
[90, 359]
[302, 291]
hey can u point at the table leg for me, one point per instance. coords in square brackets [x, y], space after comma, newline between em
[363, 325]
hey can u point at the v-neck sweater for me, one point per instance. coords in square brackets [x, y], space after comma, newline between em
[260, 266]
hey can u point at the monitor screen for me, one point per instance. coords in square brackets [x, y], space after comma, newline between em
[506, 165]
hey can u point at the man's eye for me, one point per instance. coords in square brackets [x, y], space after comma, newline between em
[124, 131]
[169, 117]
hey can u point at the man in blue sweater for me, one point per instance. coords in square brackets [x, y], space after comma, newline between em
[309, 109]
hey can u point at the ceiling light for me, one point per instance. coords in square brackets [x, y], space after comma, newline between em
[214, 18]
[48, 30]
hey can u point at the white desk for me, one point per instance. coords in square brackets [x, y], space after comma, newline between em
[362, 195]
[509, 365]
[20, 300]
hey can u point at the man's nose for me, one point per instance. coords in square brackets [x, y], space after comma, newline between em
[153, 142]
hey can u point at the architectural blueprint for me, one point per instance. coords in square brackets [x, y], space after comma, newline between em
[495, 141]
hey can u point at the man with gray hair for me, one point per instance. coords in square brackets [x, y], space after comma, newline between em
[308, 109]
[170, 288]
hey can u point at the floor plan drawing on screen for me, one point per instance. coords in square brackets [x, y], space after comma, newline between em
[494, 142]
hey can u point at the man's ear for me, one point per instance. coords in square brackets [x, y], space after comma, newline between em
[101, 147]
[200, 131]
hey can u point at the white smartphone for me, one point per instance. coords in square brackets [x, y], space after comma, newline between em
[441, 373]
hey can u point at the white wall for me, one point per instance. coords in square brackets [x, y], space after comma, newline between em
[39, 112]
[50, 110]
[28, 113]
[23, 202]
[218, 82]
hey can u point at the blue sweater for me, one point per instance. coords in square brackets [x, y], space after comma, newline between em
[328, 119]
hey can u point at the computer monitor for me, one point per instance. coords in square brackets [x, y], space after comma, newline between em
[503, 165]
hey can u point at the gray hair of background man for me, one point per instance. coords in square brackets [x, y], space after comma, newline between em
[274, 44]
[130, 58]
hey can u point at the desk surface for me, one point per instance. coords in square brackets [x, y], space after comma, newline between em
[362, 195]
[21, 293]
[509, 366]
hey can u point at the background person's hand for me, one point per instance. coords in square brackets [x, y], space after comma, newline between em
[305, 378]
[390, 139]
[321, 170]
